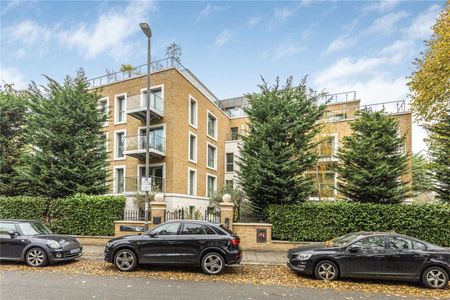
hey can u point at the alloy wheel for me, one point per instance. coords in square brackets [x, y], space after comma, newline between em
[436, 278]
[327, 271]
[213, 264]
[125, 260]
[36, 257]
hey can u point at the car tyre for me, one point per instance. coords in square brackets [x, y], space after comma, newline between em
[36, 257]
[125, 260]
[435, 278]
[213, 263]
[326, 270]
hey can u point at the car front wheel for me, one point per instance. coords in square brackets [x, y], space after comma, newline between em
[326, 270]
[213, 263]
[36, 257]
[125, 260]
[435, 278]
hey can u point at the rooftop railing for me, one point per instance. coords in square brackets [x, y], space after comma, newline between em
[157, 65]
[338, 97]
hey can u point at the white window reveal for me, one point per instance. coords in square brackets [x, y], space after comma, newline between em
[212, 126]
[211, 156]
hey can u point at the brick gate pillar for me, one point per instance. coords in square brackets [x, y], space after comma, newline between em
[158, 210]
[227, 211]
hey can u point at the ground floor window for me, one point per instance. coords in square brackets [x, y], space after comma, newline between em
[119, 180]
[324, 184]
[157, 175]
[211, 185]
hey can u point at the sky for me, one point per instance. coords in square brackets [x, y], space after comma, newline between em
[362, 46]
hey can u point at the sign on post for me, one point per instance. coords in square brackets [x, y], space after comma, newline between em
[146, 184]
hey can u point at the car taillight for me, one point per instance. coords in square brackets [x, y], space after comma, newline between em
[234, 242]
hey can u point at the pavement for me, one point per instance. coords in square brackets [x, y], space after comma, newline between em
[49, 285]
[273, 258]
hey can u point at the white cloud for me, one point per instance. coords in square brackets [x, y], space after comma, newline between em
[386, 24]
[28, 32]
[223, 38]
[12, 75]
[283, 13]
[341, 42]
[206, 12]
[287, 50]
[420, 27]
[253, 21]
[381, 6]
[110, 32]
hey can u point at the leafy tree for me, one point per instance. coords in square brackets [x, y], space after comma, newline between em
[68, 153]
[279, 147]
[421, 177]
[13, 108]
[127, 68]
[430, 82]
[439, 150]
[372, 160]
[237, 197]
[174, 50]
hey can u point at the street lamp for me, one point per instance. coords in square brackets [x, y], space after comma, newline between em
[148, 32]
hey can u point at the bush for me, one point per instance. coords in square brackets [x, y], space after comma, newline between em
[24, 208]
[79, 214]
[86, 215]
[325, 220]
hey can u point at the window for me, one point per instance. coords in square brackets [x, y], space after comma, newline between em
[192, 112]
[211, 156]
[234, 133]
[212, 126]
[208, 230]
[372, 243]
[400, 243]
[119, 145]
[192, 147]
[6, 228]
[210, 185]
[419, 246]
[229, 183]
[230, 162]
[103, 107]
[119, 180]
[156, 137]
[155, 99]
[192, 188]
[324, 184]
[167, 229]
[157, 175]
[328, 147]
[191, 228]
[120, 108]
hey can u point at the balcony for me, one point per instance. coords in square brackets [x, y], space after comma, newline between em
[135, 146]
[137, 106]
[132, 185]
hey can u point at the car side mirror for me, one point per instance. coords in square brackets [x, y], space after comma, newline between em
[354, 248]
[13, 233]
[152, 234]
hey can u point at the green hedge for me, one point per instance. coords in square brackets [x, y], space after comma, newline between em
[24, 208]
[324, 220]
[79, 214]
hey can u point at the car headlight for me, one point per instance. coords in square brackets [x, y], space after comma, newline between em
[53, 244]
[303, 256]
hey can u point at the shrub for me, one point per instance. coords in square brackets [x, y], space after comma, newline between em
[86, 215]
[325, 220]
[25, 208]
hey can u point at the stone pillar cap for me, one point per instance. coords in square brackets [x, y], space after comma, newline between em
[226, 198]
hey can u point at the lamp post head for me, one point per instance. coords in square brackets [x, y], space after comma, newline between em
[146, 29]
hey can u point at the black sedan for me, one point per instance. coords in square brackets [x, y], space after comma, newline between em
[34, 243]
[376, 256]
[182, 242]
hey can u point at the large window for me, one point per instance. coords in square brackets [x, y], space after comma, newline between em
[192, 112]
[373, 243]
[119, 180]
[192, 184]
[192, 147]
[230, 162]
[156, 138]
[103, 107]
[191, 228]
[120, 109]
[211, 185]
[234, 133]
[212, 125]
[157, 175]
[119, 147]
[328, 147]
[324, 184]
[156, 101]
[211, 156]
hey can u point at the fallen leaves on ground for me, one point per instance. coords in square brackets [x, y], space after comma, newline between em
[249, 274]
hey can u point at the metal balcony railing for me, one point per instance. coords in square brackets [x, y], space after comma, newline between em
[338, 97]
[157, 65]
[139, 142]
[133, 185]
[139, 102]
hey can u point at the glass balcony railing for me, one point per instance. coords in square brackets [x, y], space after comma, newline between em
[133, 184]
[138, 143]
[138, 102]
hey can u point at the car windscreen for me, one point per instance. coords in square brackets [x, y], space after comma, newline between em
[345, 239]
[34, 228]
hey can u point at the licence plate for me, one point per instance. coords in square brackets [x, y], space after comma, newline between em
[75, 250]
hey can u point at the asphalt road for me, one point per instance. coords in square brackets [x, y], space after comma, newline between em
[49, 285]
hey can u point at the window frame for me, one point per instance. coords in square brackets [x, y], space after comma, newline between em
[116, 109]
[155, 87]
[194, 160]
[227, 163]
[115, 168]
[106, 123]
[194, 192]
[216, 125]
[193, 125]
[333, 156]
[313, 198]
[215, 184]
[124, 131]
[191, 223]
[208, 145]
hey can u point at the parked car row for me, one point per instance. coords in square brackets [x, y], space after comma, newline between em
[370, 255]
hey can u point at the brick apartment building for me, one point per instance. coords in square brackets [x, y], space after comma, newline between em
[194, 136]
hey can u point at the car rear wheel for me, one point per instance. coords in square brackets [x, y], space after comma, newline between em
[326, 270]
[36, 257]
[125, 260]
[435, 278]
[213, 263]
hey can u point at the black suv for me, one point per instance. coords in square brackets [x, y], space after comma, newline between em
[34, 243]
[183, 242]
